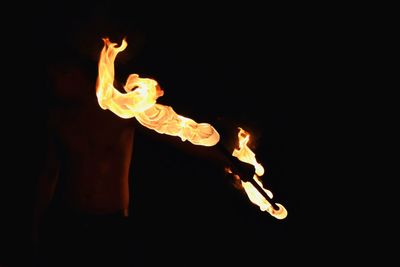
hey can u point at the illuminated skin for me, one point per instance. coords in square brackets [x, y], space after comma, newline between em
[89, 149]
[84, 185]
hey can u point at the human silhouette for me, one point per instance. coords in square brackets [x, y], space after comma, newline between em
[82, 204]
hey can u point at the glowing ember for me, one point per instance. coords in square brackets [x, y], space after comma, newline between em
[245, 154]
[139, 101]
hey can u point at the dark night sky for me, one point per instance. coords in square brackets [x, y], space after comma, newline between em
[230, 66]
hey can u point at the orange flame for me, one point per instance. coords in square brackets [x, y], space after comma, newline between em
[139, 101]
[245, 154]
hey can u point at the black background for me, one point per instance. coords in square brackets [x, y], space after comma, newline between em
[254, 66]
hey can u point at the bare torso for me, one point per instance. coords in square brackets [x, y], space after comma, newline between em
[95, 150]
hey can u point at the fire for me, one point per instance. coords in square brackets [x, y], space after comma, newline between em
[139, 101]
[245, 154]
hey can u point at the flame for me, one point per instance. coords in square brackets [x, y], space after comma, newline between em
[245, 154]
[139, 101]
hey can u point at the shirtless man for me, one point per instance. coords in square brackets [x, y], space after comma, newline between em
[83, 190]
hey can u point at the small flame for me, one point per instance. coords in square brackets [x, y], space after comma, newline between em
[245, 154]
[139, 101]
